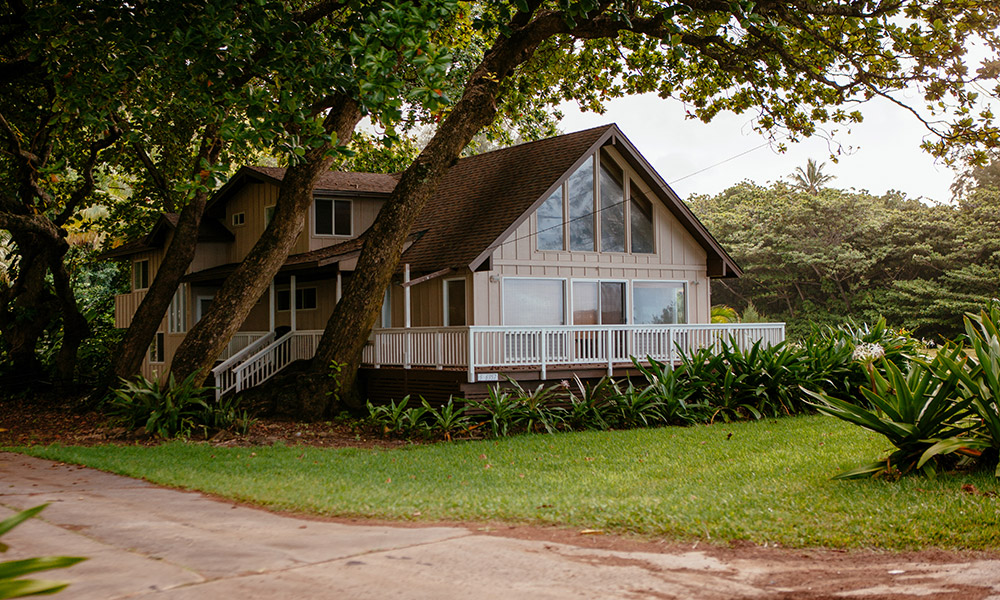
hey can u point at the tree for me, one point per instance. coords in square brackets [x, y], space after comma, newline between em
[812, 179]
[798, 63]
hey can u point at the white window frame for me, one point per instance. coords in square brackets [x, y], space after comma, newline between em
[177, 313]
[135, 264]
[628, 296]
[312, 218]
[567, 317]
[465, 300]
[298, 290]
[685, 284]
[241, 217]
[155, 356]
[197, 305]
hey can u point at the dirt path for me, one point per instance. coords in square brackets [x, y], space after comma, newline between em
[146, 541]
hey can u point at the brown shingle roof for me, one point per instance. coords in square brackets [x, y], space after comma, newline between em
[339, 181]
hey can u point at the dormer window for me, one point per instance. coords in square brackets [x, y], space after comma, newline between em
[239, 219]
[600, 207]
[332, 217]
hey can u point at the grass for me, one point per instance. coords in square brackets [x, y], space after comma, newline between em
[767, 482]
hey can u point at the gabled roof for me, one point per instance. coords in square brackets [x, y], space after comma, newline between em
[483, 199]
[209, 231]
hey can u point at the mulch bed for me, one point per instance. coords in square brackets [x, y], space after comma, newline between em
[47, 421]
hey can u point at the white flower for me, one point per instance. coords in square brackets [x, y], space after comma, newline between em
[868, 352]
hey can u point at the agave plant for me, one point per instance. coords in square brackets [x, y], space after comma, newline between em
[920, 412]
[981, 381]
[12, 572]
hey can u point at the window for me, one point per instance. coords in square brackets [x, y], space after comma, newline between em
[534, 302]
[454, 302]
[598, 302]
[305, 299]
[239, 219]
[612, 208]
[268, 215]
[140, 274]
[550, 223]
[641, 211]
[580, 192]
[177, 313]
[202, 304]
[156, 354]
[387, 308]
[605, 215]
[658, 302]
[332, 217]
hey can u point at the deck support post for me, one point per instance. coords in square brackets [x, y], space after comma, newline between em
[543, 349]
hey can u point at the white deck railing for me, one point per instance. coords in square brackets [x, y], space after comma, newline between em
[494, 348]
[478, 349]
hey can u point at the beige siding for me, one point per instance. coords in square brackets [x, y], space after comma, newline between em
[251, 200]
[315, 318]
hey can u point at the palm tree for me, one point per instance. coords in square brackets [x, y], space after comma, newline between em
[812, 179]
[724, 314]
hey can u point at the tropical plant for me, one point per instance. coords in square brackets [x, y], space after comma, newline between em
[920, 412]
[449, 419]
[175, 409]
[981, 381]
[536, 410]
[724, 314]
[391, 417]
[501, 411]
[12, 584]
[673, 392]
[588, 405]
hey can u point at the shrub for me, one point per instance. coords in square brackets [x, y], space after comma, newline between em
[175, 409]
[12, 584]
[921, 414]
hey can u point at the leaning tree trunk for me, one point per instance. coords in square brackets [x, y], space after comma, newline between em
[75, 326]
[176, 261]
[241, 290]
[348, 328]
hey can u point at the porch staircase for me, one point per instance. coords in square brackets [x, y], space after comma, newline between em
[262, 360]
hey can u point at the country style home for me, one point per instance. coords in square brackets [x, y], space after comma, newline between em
[565, 255]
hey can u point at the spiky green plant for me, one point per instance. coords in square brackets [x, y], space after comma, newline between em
[12, 572]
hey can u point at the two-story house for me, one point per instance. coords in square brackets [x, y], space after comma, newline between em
[565, 255]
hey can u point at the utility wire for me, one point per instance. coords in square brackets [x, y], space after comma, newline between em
[616, 204]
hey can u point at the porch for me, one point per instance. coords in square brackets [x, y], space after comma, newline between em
[484, 353]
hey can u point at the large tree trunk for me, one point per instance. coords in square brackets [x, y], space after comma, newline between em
[348, 328]
[176, 261]
[26, 310]
[75, 327]
[241, 290]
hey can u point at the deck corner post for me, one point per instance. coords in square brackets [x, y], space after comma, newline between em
[542, 353]
[471, 355]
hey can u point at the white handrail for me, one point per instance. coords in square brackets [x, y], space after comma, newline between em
[238, 357]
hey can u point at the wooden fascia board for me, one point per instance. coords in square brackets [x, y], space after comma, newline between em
[678, 208]
[609, 134]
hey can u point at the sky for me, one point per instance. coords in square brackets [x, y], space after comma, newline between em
[881, 154]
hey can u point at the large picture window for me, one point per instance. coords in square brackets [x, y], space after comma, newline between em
[599, 207]
[598, 302]
[332, 217]
[534, 302]
[658, 302]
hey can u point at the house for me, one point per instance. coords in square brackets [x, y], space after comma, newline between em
[564, 255]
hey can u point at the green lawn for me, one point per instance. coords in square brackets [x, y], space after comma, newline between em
[768, 482]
